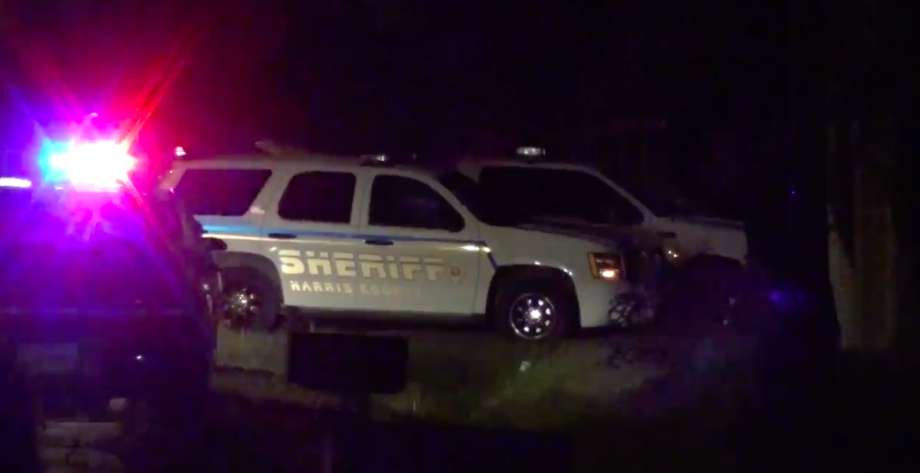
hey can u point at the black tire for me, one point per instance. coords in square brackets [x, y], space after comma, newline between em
[522, 292]
[239, 281]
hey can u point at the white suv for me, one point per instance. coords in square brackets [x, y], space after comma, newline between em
[531, 189]
[326, 236]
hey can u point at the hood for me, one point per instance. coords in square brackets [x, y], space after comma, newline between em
[607, 235]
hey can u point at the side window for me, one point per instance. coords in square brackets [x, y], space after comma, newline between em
[404, 202]
[225, 192]
[318, 197]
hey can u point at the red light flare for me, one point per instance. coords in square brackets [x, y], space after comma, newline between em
[42, 59]
[161, 78]
[54, 54]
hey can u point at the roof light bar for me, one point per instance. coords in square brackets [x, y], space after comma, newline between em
[530, 151]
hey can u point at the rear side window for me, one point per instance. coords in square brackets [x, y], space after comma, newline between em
[318, 197]
[227, 192]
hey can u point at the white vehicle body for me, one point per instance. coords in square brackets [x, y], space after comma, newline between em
[689, 236]
[358, 266]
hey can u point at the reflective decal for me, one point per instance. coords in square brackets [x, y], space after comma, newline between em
[367, 266]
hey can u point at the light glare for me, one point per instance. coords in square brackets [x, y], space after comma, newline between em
[608, 273]
[15, 183]
[94, 165]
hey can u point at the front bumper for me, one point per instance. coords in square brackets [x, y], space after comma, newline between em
[630, 301]
[108, 354]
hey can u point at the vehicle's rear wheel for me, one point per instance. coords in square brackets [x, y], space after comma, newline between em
[252, 300]
[534, 309]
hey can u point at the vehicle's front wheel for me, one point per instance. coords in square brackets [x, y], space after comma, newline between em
[534, 309]
[251, 299]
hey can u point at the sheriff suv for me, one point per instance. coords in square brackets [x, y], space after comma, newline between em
[705, 256]
[323, 236]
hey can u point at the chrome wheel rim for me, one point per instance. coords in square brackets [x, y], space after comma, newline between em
[243, 305]
[532, 316]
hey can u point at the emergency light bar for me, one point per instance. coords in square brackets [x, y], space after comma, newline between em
[93, 165]
[530, 152]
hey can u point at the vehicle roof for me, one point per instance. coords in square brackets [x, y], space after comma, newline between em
[298, 160]
[487, 161]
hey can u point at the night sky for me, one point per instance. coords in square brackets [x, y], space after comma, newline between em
[406, 74]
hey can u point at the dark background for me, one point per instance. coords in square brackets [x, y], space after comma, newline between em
[397, 73]
[651, 90]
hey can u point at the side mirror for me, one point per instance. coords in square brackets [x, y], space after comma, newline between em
[215, 244]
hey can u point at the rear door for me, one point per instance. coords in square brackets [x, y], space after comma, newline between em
[420, 252]
[312, 237]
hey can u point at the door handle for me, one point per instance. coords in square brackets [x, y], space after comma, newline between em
[283, 236]
[379, 242]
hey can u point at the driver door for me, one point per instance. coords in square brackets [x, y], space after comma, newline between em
[420, 252]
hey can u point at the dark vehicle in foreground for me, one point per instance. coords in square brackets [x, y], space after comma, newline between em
[105, 291]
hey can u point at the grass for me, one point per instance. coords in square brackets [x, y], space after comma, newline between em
[479, 379]
[484, 381]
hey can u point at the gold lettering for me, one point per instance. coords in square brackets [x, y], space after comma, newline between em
[329, 287]
[290, 262]
[347, 288]
[317, 286]
[434, 268]
[394, 270]
[372, 263]
[315, 265]
[410, 266]
[367, 268]
[345, 268]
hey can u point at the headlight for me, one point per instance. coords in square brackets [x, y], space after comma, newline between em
[607, 266]
[672, 255]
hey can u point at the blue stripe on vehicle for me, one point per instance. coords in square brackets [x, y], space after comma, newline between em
[232, 229]
[365, 236]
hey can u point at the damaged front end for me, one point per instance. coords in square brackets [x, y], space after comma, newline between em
[647, 271]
